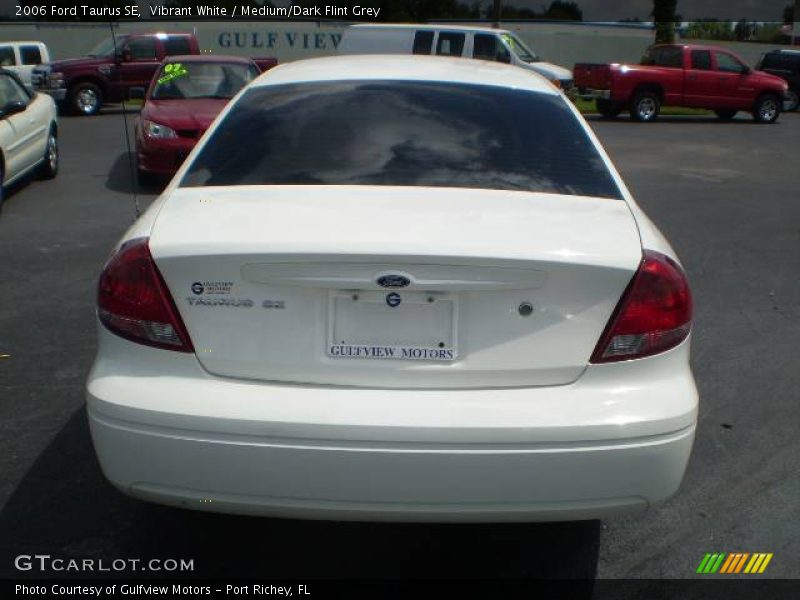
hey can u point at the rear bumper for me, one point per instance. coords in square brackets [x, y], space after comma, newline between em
[166, 431]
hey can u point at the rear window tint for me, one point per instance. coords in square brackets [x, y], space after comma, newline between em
[450, 44]
[177, 45]
[423, 42]
[7, 58]
[30, 55]
[701, 60]
[402, 133]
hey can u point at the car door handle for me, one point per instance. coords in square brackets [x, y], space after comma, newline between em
[723, 78]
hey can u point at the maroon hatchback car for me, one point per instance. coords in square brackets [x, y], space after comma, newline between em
[184, 97]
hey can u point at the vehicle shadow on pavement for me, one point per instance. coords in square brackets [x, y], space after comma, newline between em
[122, 177]
[65, 508]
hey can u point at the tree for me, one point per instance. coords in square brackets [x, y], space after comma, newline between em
[708, 29]
[564, 11]
[664, 16]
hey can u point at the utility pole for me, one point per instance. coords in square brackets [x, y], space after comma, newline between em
[497, 11]
[796, 26]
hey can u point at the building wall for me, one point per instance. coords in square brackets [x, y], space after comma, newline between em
[560, 43]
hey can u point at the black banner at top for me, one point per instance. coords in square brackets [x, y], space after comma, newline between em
[404, 10]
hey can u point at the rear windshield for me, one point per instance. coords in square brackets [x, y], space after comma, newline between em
[402, 133]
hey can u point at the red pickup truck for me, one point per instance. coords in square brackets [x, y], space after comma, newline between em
[682, 75]
[113, 68]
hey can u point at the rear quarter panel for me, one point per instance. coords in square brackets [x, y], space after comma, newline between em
[626, 79]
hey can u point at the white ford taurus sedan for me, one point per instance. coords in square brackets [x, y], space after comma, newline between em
[28, 133]
[395, 288]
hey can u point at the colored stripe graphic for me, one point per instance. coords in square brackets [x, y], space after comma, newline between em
[714, 563]
[703, 563]
[741, 563]
[724, 563]
[729, 563]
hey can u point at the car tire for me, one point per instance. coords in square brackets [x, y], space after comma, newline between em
[2, 188]
[767, 109]
[49, 168]
[793, 101]
[85, 99]
[645, 107]
[608, 109]
[147, 180]
[726, 114]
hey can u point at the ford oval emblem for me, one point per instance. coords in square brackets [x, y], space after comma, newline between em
[393, 281]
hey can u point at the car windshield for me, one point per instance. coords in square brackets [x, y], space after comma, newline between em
[516, 45]
[106, 47]
[403, 133]
[186, 80]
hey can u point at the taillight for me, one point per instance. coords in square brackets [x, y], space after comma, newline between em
[654, 314]
[133, 301]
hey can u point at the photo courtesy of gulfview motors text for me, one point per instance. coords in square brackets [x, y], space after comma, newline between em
[174, 590]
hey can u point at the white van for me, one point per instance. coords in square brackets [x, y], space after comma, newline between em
[22, 57]
[483, 43]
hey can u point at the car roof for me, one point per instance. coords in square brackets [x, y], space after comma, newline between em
[26, 42]
[406, 68]
[430, 26]
[785, 51]
[208, 58]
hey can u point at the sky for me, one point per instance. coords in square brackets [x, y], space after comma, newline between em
[730, 10]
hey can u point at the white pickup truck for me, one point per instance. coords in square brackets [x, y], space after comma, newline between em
[22, 57]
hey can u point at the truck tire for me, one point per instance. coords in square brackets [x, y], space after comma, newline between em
[85, 98]
[767, 109]
[608, 109]
[792, 102]
[645, 107]
[726, 114]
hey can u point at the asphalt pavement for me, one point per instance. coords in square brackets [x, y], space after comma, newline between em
[727, 195]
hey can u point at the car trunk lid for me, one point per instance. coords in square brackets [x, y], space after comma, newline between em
[394, 287]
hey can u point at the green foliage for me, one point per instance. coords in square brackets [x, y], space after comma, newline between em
[709, 30]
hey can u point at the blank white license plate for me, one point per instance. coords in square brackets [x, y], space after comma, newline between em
[392, 325]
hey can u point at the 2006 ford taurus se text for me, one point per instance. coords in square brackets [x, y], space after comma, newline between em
[408, 288]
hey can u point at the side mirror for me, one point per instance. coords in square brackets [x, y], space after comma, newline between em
[12, 108]
[122, 55]
[504, 57]
[136, 93]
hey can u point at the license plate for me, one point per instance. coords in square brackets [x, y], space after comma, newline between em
[392, 326]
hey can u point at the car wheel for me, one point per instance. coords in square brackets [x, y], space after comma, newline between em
[608, 110]
[646, 106]
[86, 99]
[50, 165]
[146, 179]
[792, 102]
[767, 109]
[726, 114]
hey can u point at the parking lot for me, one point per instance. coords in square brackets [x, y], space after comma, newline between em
[727, 195]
